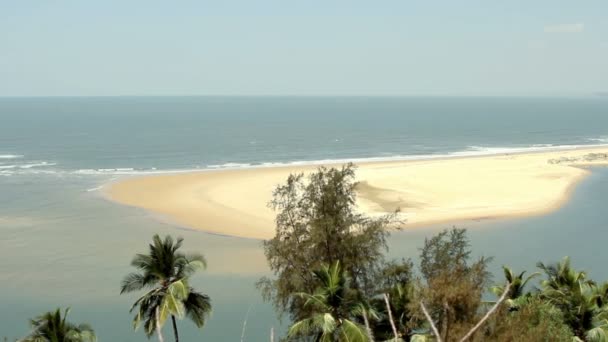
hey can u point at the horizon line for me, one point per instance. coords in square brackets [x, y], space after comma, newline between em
[593, 94]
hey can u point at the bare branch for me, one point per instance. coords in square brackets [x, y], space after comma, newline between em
[390, 316]
[488, 314]
[158, 326]
[370, 335]
[428, 318]
[245, 323]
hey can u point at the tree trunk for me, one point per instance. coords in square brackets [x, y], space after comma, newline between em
[446, 321]
[428, 318]
[158, 327]
[245, 323]
[488, 314]
[390, 316]
[175, 328]
[370, 334]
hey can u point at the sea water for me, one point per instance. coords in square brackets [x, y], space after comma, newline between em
[62, 244]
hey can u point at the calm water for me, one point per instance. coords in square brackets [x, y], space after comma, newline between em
[61, 244]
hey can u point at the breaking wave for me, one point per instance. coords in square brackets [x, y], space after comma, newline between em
[50, 168]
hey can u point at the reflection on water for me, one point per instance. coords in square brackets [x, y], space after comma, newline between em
[578, 229]
[63, 246]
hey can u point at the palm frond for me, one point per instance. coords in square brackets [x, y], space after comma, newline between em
[303, 327]
[132, 282]
[193, 263]
[54, 326]
[325, 323]
[198, 307]
[597, 334]
[352, 332]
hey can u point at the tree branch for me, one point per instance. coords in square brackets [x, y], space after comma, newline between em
[390, 316]
[245, 323]
[428, 318]
[158, 326]
[370, 334]
[488, 314]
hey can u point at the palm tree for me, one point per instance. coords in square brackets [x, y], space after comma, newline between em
[581, 301]
[516, 290]
[331, 311]
[54, 327]
[399, 298]
[561, 275]
[165, 271]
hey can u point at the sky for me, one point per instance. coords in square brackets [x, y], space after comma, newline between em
[303, 48]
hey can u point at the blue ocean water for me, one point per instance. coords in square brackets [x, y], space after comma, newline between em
[131, 134]
[62, 244]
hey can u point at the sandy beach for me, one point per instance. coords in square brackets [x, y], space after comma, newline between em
[233, 202]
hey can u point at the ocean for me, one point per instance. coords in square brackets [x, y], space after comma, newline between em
[63, 244]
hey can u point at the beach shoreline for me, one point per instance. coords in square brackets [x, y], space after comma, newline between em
[428, 191]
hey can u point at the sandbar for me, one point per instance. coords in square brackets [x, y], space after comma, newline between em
[234, 201]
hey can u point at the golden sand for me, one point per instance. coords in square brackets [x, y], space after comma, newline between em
[233, 202]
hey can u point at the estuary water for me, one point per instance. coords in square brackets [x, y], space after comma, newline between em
[62, 244]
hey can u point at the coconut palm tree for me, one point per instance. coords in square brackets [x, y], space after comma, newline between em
[399, 298]
[54, 327]
[332, 312]
[516, 290]
[581, 301]
[165, 272]
[561, 275]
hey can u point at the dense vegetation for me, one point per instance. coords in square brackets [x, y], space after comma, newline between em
[333, 282]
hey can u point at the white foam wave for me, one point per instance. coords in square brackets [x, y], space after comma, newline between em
[483, 151]
[471, 151]
[41, 164]
[29, 172]
[127, 171]
[35, 168]
[26, 166]
[229, 166]
[11, 156]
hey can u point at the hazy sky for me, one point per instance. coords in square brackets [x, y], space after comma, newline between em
[312, 47]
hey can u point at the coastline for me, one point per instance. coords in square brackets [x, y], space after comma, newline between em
[428, 191]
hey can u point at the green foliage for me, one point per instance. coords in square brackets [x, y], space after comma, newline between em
[54, 327]
[452, 285]
[165, 272]
[317, 223]
[516, 291]
[581, 301]
[332, 309]
[534, 321]
[396, 279]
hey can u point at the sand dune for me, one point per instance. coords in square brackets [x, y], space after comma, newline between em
[233, 202]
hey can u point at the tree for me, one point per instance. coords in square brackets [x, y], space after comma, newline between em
[452, 285]
[165, 271]
[518, 284]
[332, 308]
[396, 281]
[54, 327]
[317, 223]
[581, 301]
[535, 320]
